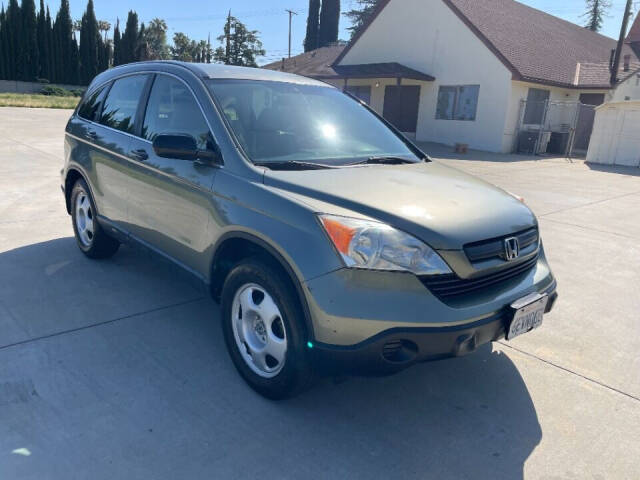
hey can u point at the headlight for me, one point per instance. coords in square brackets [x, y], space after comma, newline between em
[376, 246]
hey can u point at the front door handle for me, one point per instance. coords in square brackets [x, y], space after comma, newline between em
[140, 154]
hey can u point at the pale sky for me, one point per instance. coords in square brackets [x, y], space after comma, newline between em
[198, 18]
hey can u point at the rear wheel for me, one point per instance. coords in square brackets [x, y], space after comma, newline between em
[91, 238]
[264, 330]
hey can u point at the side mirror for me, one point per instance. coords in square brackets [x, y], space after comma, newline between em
[182, 147]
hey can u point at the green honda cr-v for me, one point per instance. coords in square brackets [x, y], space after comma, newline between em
[332, 242]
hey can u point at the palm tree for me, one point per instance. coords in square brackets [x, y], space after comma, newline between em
[104, 26]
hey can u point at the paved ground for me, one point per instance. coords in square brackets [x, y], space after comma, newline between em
[117, 369]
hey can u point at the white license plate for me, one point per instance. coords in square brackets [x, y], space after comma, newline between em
[528, 313]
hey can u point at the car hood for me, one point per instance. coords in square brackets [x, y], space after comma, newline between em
[440, 205]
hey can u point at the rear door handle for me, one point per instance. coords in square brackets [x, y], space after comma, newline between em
[140, 154]
[92, 135]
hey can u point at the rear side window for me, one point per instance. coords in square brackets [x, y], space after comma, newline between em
[121, 104]
[173, 110]
[91, 104]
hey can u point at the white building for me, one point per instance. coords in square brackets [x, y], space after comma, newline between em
[494, 74]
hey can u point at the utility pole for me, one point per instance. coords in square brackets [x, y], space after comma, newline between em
[623, 34]
[291, 14]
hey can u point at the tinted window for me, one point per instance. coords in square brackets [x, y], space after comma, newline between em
[172, 109]
[458, 103]
[279, 121]
[91, 104]
[363, 92]
[122, 101]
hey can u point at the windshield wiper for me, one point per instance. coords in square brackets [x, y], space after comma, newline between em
[292, 165]
[384, 160]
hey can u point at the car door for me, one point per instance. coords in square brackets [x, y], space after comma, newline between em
[110, 137]
[170, 201]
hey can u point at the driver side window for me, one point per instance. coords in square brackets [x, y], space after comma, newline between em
[173, 110]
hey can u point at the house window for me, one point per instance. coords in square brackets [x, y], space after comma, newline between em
[536, 104]
[363, 92]
[458, 103]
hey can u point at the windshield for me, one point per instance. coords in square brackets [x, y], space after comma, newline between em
[280, 122]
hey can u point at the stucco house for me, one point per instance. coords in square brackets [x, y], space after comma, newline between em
[494, 74]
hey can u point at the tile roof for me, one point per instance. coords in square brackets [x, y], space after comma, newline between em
[319, 64]
[534, 45]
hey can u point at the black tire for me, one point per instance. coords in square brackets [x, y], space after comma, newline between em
[99, 245]
[296, 374]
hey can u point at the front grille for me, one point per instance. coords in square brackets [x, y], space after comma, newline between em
[450, 286]
[494, 247]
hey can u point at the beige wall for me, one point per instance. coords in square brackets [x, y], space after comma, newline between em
[616, 134]
[427, 36]
[629, 89]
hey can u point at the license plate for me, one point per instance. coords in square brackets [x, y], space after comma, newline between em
[527, 314]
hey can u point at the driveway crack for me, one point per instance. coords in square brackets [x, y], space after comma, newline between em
[568, 370]
[98, 324]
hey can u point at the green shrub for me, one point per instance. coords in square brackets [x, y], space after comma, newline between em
[55, 91]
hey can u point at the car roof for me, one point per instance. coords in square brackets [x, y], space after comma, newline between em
[212, 71]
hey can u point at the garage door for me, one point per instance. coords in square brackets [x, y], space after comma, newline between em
[616, 136]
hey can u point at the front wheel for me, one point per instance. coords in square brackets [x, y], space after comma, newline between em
[264, 330]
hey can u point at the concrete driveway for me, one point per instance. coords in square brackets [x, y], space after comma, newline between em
[117, 369]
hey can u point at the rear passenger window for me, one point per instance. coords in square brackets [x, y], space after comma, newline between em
[91, 104]
[121, 104]
[173, 110]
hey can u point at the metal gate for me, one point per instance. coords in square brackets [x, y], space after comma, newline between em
[554, 128]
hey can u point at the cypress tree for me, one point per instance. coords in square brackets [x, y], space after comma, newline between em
[329, 22]
[28, 51]
[13, 38]
[141, 50]
[74, 64]
[3, 40]
[129, 39]
[313, 26]
[66, 59]
[50, 46]
[90, 45]
[43, 44]
[116, 44]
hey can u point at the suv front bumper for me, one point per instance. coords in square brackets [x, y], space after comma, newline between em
[398, 348]
[367, 322]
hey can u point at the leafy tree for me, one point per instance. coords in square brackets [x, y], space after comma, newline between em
[183, 48]
[359, 15]
[90, 45]
[104, 27]
[238, 45]
[156, 39]
[313, 26]
[329, 22]
[596, 11]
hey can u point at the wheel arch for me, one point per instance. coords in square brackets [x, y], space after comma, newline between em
[238, 245]
[71, 177]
